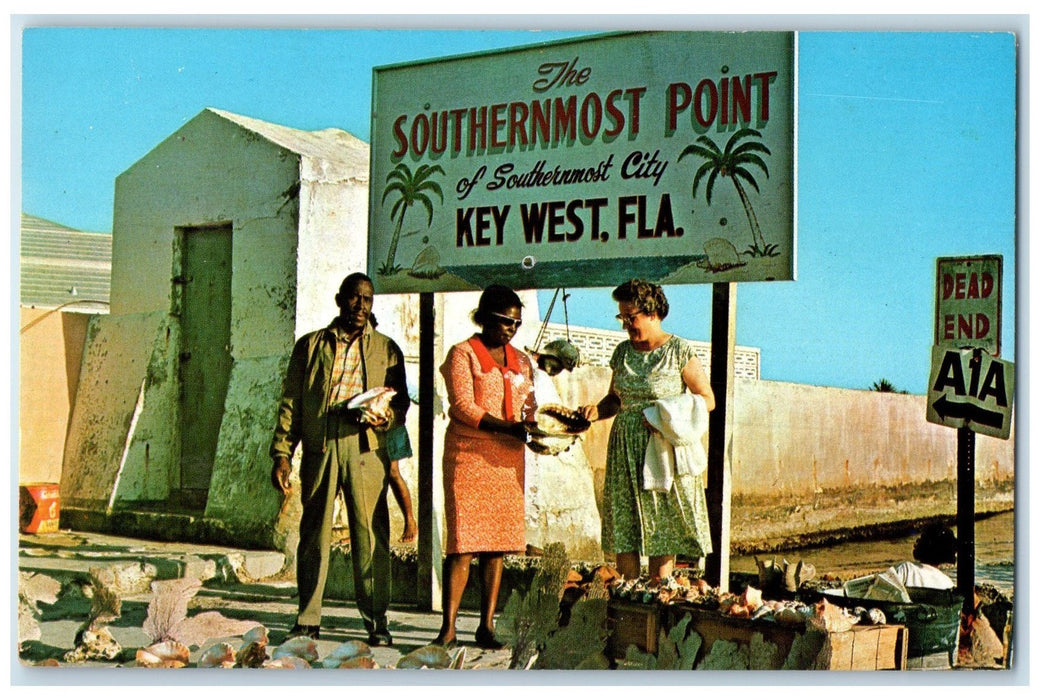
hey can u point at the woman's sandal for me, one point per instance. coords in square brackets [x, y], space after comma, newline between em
[485, 639]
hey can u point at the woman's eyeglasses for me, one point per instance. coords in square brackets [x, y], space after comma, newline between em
[629, 319]
[507, 320]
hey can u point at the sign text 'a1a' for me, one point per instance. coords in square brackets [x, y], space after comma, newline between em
[971, 388]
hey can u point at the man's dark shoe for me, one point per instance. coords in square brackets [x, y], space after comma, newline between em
[298, 630]
[380, 638]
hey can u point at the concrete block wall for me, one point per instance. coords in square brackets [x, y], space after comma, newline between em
[597, 346]
[793, 441]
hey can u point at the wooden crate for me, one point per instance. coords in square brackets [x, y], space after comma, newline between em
[713, 626]
[862, 648]
[865, 648]
[632, 623]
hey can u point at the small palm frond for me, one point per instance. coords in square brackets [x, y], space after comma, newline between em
[394, 187]
[710, 185]
[705, 168]
[402, 202]
[745, 176]
[695, 150]
[425, 201]
[751, 159]
[741, 134]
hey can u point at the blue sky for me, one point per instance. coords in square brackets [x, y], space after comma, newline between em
[906, 153]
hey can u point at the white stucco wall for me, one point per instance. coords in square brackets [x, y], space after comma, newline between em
[209, 171]
[240, 490]
[117, 430]
[333, 237]
[796, 438]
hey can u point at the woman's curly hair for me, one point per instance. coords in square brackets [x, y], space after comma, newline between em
[647, 296]
[495, 299]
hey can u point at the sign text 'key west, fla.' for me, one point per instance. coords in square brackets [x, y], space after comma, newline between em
[576, 162]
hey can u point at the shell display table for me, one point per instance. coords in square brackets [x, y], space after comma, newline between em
[741, 643]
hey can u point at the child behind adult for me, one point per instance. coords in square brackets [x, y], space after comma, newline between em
[398, 486]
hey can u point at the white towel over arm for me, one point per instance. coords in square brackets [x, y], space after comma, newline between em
[680, 422]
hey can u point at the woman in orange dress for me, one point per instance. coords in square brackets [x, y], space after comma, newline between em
[490, 395]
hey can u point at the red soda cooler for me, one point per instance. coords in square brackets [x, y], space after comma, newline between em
[38, 508]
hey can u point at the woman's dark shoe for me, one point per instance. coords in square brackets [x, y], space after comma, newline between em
[447, 644]
[485, 639]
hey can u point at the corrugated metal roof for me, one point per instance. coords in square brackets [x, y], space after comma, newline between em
[62, 266]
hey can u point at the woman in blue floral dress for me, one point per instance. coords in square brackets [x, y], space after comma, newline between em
[650, 365]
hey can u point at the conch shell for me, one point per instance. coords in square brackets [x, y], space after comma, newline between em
[258, 634]
[831, 618]
[347, 651]
[251, 655]
[300, 647]
[555, 428]
[752, 598]
[431, 656]
[374, 403]
[167, 654]
[286, 662]
[220, 655]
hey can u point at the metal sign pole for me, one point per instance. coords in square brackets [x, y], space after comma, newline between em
[720, 422]
[428, 598]
[966, 517]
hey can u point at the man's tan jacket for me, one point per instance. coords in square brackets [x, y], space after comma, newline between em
[303, 414]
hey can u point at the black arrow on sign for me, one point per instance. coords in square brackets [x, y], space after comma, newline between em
[970, 412]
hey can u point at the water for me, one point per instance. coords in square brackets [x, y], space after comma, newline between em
[994, 555]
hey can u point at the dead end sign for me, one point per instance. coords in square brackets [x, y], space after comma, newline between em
[971, 388]
[967, 302]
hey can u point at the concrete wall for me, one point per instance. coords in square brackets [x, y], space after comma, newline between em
[50, 351]
[118, 427]
[808, 458]
[333, 239]
[125, 450]
[297, 289]
[794, 439]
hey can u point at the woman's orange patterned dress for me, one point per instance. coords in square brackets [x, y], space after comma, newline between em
[484, 471]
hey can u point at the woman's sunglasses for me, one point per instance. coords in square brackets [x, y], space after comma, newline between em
[507, 320]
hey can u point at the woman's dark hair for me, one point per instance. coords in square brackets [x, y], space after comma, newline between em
[495, 299]
[647, 296]
[936, 545]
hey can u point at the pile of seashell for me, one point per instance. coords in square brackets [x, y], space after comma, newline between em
[296, 652]
[696, 592]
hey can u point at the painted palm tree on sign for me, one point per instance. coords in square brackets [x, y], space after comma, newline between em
[733, 162]
[409, 188]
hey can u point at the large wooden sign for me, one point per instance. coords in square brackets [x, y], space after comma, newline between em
[662, 155]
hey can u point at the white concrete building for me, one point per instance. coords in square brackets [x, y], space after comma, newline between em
[230, 240]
